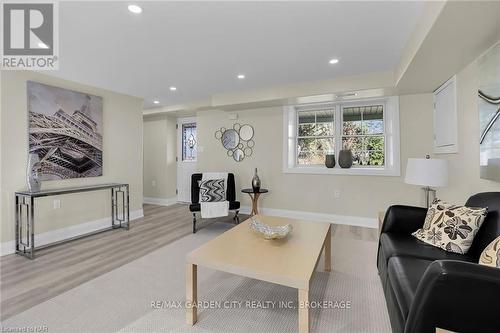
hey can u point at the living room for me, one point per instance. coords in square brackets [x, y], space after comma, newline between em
[250, 166]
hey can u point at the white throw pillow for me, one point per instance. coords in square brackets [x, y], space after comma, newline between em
[451, 227]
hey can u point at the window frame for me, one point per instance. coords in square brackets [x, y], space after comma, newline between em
[363, 104]
[297, 136]
[391, 138]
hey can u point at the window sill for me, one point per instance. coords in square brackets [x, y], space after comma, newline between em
[364, 171]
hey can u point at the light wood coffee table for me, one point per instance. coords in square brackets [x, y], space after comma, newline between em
[289, 262]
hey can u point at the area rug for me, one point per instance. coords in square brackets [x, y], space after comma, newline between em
[147, 295]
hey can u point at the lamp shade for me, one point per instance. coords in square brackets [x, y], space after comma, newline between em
[430, 172]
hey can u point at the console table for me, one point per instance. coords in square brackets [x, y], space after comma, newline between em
[25, 213]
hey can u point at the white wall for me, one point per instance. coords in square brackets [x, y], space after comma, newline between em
[122, 156]
[361, 196]
[159, 159]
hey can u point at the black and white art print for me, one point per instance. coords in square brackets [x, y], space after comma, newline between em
[65, 131]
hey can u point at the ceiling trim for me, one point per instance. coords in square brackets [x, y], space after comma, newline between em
[460, 34]
[431, 12]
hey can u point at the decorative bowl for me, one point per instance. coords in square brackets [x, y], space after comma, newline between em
[270, 232]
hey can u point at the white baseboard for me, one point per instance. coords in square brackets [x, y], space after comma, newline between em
[160, 201]
[68, 232]
[332, 218]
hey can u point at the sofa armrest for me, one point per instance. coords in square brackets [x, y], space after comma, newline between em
[403, 219]
[456, 295]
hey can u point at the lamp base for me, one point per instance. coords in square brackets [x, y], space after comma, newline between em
[428, 191]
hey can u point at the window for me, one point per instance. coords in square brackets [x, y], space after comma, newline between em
[370, 128]
[189, 144]
[363, 133]
[315, 137]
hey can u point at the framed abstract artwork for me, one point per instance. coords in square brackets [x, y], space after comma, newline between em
[489, 113]
[65, 132]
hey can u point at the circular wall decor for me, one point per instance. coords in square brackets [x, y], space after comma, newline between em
[248, 151]
[230, 139]
[237, 140]
[246, 132]
[238, 155]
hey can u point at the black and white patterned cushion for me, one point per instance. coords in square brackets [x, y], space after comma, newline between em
[212, 190]
[451, 227]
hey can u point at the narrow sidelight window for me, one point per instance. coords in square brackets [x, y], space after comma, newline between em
[189, 143]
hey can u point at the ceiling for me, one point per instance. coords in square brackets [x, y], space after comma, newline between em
[200, 47]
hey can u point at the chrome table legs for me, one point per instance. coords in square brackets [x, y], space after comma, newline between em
[25, 215]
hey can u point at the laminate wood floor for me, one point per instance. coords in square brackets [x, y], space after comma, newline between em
[25, 283]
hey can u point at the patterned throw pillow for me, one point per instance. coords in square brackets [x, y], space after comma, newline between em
[491, 254]
[451, 227]
[212, 190]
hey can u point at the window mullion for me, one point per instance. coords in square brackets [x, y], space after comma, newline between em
[296, 155]
[317, 137]
[338, 128]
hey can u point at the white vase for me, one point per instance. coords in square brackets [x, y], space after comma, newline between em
[32, 173]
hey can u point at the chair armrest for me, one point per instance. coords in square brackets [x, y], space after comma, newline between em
[403, 219]
[458, 296]
[195, 187]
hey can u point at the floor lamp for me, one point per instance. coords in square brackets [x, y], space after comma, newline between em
[427, 172]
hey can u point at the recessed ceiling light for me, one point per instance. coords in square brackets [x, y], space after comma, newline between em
[156, 102]
[173, 88]
[42, 45]
[333, 61]
[135, 9]
[241, 76]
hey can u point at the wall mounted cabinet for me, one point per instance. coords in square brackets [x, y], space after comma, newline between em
[445, 118]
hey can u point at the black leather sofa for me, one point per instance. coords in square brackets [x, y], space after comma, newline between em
[426, 287]
[195, 206]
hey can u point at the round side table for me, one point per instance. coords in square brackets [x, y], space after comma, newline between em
[254, 195]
